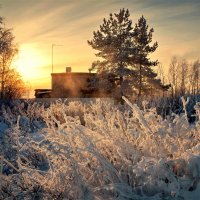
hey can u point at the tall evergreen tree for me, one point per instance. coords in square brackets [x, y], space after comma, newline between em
[142, 39]
[124, 55]
[114, 43]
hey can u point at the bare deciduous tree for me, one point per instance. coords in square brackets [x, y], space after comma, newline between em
[183, 74]
[195, 77]
[184, 77]
[10, 81]
[14, 87]
[172, 76]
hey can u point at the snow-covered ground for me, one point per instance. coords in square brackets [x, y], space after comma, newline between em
[97, 151]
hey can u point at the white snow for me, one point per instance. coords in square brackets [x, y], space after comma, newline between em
[98, 151]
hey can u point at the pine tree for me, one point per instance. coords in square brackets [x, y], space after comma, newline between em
[142, 39]
[124, 55]
[114, 42]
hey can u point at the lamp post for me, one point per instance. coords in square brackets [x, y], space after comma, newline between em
[52, 48]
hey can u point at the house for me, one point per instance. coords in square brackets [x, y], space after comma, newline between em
[68, 85]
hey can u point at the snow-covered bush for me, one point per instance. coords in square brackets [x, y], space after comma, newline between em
[97, 151]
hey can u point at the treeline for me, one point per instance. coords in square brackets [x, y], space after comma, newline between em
[184, 77]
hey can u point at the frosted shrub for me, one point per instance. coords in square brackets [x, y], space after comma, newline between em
[98, 151]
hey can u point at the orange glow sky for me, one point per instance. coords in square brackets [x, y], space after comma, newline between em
[37, 24]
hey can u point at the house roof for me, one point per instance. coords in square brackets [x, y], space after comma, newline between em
[73, 74]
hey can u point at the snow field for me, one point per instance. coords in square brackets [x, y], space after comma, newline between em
[98, 151]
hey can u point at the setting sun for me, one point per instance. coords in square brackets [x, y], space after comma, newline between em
[29, 62]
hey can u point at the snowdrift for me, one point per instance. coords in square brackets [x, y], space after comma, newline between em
[97, 151]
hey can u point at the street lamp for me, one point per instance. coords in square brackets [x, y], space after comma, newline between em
[52, 47]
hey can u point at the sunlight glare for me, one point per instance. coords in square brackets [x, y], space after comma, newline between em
[29, 61]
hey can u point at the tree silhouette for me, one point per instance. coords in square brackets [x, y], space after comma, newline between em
[146, 80]
[8, 76]
[114, 42]
[124, 54]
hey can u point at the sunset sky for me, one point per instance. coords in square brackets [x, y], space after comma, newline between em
[37, 24]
